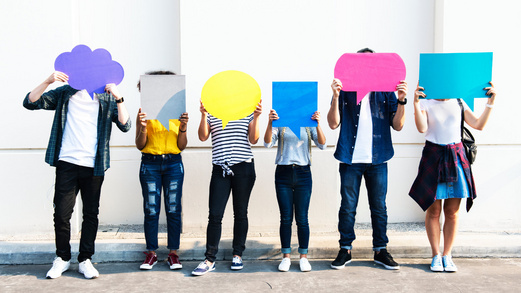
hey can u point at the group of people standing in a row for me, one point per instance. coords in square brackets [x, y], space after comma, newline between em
[79, 149]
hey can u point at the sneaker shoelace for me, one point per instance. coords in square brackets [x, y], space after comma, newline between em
[149, 258]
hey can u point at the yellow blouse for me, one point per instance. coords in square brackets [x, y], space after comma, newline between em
[161, 141]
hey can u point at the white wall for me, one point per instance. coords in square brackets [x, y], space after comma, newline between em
[284, 40]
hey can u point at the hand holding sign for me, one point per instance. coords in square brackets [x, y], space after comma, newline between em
[89, 70]
[364, 73]
[230, 95]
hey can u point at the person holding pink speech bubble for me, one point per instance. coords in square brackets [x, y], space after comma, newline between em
[363, 149]
[233, 171]
[444, 173]
[293, 183]
[161, 169]
[79, 149]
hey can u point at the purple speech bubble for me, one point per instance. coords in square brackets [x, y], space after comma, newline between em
[89, 70]
[364, 73]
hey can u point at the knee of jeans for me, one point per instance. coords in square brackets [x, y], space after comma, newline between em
[286, 220]
[302, 222]
[173, 205]
[215, 219]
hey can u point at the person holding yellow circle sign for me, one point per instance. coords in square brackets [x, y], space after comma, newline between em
[230, 109]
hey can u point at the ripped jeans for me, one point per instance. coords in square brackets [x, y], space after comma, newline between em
[162, 172]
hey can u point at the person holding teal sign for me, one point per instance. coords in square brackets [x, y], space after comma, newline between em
[444, 173]
[293, 183]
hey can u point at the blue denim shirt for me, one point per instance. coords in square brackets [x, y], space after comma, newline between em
[58, 100]
[383, 107]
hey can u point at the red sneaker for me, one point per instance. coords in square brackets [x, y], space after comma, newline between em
[149, 262]
[173, 262]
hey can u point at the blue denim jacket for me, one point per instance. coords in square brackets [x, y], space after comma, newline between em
[383, 107]
[58, 100]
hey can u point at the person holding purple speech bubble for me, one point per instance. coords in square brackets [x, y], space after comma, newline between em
[161, 168]
[363, 149]
[293, 183]
[444, 173]
[79, 149]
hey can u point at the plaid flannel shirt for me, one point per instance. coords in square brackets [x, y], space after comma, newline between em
[58, 100]
[438, 164]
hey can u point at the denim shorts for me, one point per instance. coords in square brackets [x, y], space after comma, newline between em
[458, 189]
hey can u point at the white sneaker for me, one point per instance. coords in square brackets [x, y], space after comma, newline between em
[436, 265]
[305, 266]
[87, 269]
[448, 264]
[285, 264]
[58, 267]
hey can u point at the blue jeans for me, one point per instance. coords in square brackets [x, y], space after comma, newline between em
[293, 185]
[162, 172]
[376, 182]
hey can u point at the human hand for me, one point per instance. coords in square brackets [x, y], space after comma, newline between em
[336, 86]
[273, 115]
[402, 90]
[492, 93]
[316, 117]
[258, 110]
[57, 76]
[419, 93]
[142, 119]
[111, 88]
[184, 121]
[202, 109]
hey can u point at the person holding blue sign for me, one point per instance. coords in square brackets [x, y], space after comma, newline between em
[363, 149]
[444, 173]
[79, 149]
[293, 183]
[161, 168]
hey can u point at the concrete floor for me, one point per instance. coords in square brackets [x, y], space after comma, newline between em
[474, 275]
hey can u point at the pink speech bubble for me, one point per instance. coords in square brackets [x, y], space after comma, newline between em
[369, 72]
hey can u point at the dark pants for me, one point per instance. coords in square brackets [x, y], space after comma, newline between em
[162, 172]
[70, 179]
[240, 184]
[376, 182]
[293, 185]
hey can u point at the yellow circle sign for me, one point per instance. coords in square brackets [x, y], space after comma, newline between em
[230, 95]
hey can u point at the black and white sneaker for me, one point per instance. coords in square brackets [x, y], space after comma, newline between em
[343, 258]
[384, 258]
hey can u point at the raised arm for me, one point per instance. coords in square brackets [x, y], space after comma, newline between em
[253, 128]
[420, 117]
[204, 128]
[182, 140]
[333, 116]
[269, 129]
[479, 123]
[141, 130]
[37, 92]
[123, 115]
[321, 138]
[399, 116]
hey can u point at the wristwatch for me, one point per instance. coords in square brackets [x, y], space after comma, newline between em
[399, 102]
[120, 100]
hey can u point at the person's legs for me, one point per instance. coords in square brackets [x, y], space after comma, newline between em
[284, 189]
[450, 227]
[220, 188]
[242, 185]
[151, 182]
[173, 177]
[432, 226]
[65, 190]
[302, 197]
[376, 182]
[90, 188]
[350, 180]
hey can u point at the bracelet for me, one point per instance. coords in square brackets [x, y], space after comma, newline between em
[143, 131]
[182, 130]
[489, 106]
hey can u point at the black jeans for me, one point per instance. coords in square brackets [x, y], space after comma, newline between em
[240, 184]
[70, 179]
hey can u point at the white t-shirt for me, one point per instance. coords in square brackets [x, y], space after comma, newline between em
[443, 120]
[363, 152]
[80, 136]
